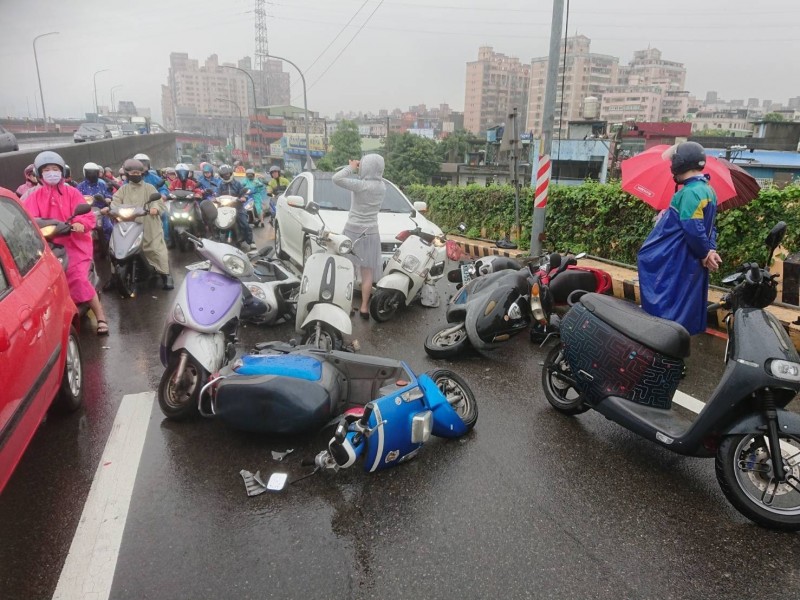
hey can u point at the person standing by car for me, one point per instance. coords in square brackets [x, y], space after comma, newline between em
[256, 189]
[137, 193]
[30, 181]
[362, 222]
[676, 257]
[231, 187]
[56, 200]
[93, 186]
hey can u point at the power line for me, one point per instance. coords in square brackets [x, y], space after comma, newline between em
[341, 31]
[364, 24]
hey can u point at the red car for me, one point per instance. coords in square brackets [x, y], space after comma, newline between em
[40, 356]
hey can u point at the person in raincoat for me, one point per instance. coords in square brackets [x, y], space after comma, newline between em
[93, 185]
[368, 191]
[54, 199]
[30, 181]
[208, 182]
[257, 190]
[150, 176]
[136, 192]
[679, 252]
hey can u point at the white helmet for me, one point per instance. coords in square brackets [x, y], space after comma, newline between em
[141, 156]
[90, 166]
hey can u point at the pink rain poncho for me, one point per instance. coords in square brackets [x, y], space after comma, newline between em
[59, 202]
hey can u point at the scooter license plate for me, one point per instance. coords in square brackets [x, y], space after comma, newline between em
[466, 277]
[202, 265]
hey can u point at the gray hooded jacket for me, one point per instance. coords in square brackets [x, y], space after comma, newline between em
[368, 192]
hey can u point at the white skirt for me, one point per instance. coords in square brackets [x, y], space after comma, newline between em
[366, 251]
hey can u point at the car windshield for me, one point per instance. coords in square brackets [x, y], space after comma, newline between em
[330, 196]
[90, 128]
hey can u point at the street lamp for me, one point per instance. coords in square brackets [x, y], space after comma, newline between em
[112, 96]
[252, 83]
[94, 79]
[305, 104]
[36, 59]
[241, 128]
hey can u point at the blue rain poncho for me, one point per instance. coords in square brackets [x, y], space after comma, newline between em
[672, 281]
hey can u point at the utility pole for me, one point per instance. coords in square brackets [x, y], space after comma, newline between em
[548, 121]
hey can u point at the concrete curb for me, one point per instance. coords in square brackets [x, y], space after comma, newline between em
[625, 284]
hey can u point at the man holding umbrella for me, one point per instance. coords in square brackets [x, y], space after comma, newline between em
[675, 259]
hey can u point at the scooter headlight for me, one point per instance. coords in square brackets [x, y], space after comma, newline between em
[537, 310]
[410, 264]
[235, 265]
[345, 247]
[178, 315]
[257, 292]
[126, 213]
[783, 369]
[48, 230]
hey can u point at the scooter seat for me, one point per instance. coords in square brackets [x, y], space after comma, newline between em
[663, 336]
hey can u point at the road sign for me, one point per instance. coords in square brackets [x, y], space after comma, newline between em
[542, 181]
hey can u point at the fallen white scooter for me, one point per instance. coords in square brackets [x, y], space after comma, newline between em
[326, 286]
[412, 272]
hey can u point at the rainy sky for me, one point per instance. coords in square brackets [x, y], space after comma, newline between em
[393, 53]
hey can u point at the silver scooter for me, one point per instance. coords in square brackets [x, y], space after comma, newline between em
[128, 265]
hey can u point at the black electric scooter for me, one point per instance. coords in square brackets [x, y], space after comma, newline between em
[625, 364]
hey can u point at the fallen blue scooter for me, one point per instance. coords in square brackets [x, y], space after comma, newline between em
[284, 389]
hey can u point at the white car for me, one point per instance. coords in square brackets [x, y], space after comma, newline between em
[334, 206]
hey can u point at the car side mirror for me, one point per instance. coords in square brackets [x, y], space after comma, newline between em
[82, 209]
[421, 207]
[296, 201]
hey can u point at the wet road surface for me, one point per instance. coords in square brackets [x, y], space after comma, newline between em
[531, 504]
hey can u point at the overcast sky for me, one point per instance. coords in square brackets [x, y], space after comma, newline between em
[409, 52]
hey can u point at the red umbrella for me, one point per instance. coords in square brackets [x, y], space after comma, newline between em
[647, 176]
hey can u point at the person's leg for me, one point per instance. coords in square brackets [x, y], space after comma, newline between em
[366, 288]
[97, 309]
[165, 227]
[244, 226]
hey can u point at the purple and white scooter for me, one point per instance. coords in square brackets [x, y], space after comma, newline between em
[200, 329]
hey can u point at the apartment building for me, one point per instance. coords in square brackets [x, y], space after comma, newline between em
[583, 74]
[495, 85]
[195, 93]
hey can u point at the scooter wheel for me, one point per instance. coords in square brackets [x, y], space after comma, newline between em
[178, 399]
[125, 284]
[744, 472]
[557, 386]
[384, 303]
[329, 337]
[447, 342]
[458, 394]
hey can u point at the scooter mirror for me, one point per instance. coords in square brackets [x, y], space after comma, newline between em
[82, 209]
[154, 197]
[277, 481]
[312, 208]
[775, 235]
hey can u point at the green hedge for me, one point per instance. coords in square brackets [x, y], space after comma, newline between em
[603, 220]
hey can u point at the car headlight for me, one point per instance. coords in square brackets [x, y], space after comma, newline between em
[126, 213]
[537, 310]
[235, 265]
[257, 292]
[783, 369]
[345, 247]
[410, 263]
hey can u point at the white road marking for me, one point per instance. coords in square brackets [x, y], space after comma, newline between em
[688, 402]
[89, 569]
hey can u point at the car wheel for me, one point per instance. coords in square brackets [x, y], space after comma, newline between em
[279, 243]
[70, 393]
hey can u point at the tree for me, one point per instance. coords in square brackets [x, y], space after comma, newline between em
[410, 159]
[454, 146]
[774, 117]
[346, 145]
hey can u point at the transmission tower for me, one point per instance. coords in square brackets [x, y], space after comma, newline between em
[262, 49]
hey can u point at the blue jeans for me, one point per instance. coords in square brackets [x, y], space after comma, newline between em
[165, 225]
[244, 227]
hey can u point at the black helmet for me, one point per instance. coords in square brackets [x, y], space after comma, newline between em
[225, 172]
[688, 156]
[133, 164]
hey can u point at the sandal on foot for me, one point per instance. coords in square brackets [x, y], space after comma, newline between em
[363, 315]
[102, 328]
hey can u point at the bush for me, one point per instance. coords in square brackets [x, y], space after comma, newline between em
[604, 221]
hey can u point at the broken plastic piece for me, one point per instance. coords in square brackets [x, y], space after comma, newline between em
[253, 483]
[279, 456]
